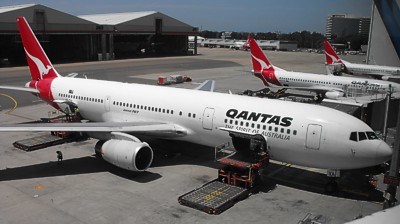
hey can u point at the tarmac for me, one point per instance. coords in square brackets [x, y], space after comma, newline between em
[84, 189]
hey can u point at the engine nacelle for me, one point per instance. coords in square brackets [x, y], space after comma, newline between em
[126, 154]
[333, 95]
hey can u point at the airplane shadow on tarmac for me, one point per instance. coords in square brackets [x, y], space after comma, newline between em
[352, 185]
[84, 165]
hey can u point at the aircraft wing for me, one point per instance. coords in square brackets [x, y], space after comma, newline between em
[318, 89]
[20, 89]
[156, 129]
[207, 85]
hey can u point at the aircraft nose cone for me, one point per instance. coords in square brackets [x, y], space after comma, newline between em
[383, 152]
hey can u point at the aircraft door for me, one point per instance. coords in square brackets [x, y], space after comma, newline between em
[107, 103]
[208, 117]
[313, 136]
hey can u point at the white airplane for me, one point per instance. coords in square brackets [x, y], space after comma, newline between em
[335, 65]
[329, 86]
[119, 113]
[242, 45]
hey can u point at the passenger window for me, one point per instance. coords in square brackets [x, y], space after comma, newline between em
[362, 136]
[294, 132]
[353, 136]
[276, 129]
[282, 130]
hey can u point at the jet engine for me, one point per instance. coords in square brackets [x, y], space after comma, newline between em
[126, 154]
[333, 94]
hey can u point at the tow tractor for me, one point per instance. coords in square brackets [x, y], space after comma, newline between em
[237, 178]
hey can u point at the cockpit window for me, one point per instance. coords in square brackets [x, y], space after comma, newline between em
[362, 136]
[353, 136]
[371, 135]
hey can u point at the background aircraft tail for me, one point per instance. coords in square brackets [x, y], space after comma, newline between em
[39, 64]
[330, 54]
[259, 60]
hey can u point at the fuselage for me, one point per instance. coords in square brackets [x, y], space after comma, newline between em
[366, 69]
[301, 134]
[299, 79]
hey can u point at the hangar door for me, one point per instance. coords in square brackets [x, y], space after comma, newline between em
[313, 136]
[208, 117]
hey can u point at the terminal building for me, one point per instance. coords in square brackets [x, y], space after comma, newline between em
[341, 25]
[280, 45]
[68, 38]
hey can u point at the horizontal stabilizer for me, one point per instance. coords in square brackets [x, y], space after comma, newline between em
[20, 89]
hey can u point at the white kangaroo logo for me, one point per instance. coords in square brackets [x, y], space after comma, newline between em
[262, 63]
[39, 64]
[333, 58]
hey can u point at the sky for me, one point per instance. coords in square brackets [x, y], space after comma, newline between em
[283, 16]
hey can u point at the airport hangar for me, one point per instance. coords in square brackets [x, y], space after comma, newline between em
[69, 38]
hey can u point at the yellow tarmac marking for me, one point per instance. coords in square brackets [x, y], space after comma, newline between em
[14, 107]
[15, 102]
[39, 187]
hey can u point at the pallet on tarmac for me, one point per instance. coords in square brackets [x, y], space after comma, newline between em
[214, 197]
[39, 142]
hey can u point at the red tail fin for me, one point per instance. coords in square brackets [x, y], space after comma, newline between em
[330, 54]
[260, 62]
[39, 64]
[261, 66]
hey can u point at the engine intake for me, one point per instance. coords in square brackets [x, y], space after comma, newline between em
[126, 154]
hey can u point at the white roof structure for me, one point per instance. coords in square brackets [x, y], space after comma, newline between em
[14, 7]
[56, 21]
[140, 22]
[115, 18]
